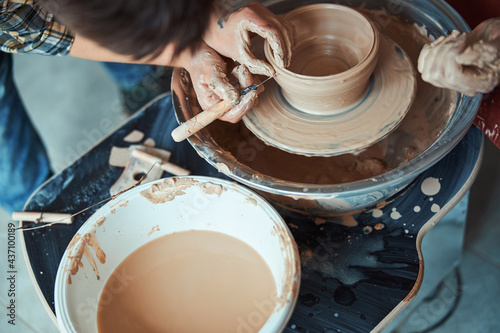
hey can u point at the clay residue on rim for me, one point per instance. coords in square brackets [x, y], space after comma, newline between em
[100, 222]
[75, 256]
[251, 201]
[173, 187]
[120, 203]
[291, 279]
[224, 168]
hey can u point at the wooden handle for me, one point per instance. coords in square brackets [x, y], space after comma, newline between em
[166, 166]
[43, 217]
[199, 121]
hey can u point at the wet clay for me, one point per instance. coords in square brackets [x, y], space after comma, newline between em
[428, 115]
[203, 281]
[468, 63]
[87, 242]
[172, 187]
[336, 52]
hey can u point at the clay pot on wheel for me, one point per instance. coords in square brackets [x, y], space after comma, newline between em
[336, 53]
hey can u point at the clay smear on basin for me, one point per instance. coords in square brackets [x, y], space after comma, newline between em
[203, 281]
[172, 187]
[428, 115]
[81, 246]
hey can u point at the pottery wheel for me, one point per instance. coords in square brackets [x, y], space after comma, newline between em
[391, 91]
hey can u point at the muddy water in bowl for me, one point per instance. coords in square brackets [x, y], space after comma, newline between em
[202, 281]
[162, 242]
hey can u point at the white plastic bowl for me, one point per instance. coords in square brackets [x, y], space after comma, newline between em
[129, 221]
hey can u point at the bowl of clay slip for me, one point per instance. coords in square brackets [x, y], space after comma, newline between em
[336, 52]
[188, 220]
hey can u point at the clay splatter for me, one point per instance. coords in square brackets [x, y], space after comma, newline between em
[377, 213]
[100, 222]
[435, 208]
[251, 201]
[431, 186]
[395, 215]
[155, 228]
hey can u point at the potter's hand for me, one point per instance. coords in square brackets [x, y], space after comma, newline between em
[230, 36]
[211, 84]
[469, 64]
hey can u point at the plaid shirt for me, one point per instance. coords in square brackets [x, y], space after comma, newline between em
[26, 27]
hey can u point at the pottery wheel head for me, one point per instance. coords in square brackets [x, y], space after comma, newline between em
[310, 110]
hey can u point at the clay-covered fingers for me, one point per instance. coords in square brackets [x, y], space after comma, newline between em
[248, 101]
[210, 82]
[280, 34]
[230, 35]
[453, 62]
[212, 85]
[438, 66]
[481, 65]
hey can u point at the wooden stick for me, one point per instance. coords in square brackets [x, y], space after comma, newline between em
[167, 166]
[193, 125]
[42, 217]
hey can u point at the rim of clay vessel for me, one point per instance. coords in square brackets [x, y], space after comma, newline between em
[335, 54]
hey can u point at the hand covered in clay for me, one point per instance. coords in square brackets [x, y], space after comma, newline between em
[211, 84]
[230, 36]
[468, 63]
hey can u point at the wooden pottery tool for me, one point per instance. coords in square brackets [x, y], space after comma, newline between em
[43, 217]
[141, 162]
[164, 165]
[205, 118]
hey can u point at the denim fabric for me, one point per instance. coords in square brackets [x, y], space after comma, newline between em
[139, 84]
[24, 163]
[23, 160]
[128, 76]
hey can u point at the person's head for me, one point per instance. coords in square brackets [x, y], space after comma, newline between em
[135, 27]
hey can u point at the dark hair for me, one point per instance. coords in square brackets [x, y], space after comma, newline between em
[140, 28]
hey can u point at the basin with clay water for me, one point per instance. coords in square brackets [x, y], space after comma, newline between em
[166, 207]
